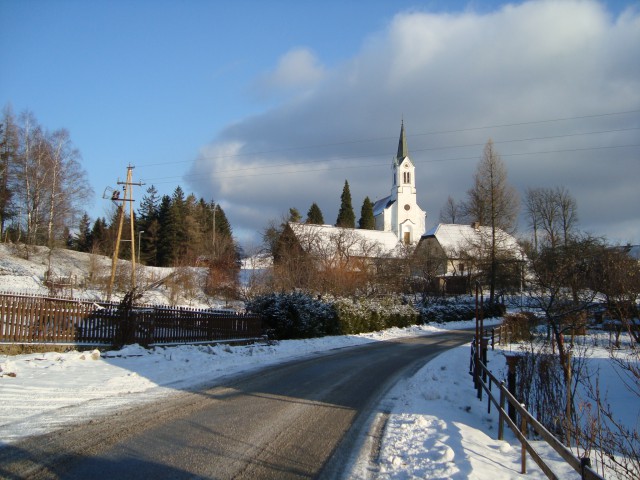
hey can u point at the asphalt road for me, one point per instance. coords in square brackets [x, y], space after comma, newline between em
[303, 419]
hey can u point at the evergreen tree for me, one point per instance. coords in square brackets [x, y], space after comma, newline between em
[346, 217]
[167, 242]
[294, 215]
[314, 215]
[99, 237]
[82, 240]
[148, 222]
[179, 216]
[222, 224]
[367, 220]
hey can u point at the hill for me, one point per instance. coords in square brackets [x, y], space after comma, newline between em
[85, 276]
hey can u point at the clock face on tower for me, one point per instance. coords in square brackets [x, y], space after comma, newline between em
[407, 207]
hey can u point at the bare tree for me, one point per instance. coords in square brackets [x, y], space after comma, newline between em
[552, 215]
[67, 188]
[451, 211]
[492, 202]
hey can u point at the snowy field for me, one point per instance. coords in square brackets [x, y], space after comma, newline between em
[436, 428]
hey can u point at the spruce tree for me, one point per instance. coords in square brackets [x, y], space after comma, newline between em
[82, 240]
[99, 237]
[314, 215]
[167, 243]
[148, 222]
[346, 217]
[367, 220]
[294, 215]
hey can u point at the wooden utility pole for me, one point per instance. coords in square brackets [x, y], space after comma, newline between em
[128, 197]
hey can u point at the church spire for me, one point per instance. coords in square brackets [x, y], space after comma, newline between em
[403, 151]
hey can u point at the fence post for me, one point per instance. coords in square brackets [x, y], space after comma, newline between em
[512, 363]
[523, 430]
[501, 413]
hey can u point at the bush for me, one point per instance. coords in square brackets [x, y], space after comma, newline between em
[520, 325]
[299, 315]
[295, 315]
[453, 309]
[366, 315]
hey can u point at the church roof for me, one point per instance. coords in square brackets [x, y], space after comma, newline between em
[326, 239]
[403, 150]
[381, 205]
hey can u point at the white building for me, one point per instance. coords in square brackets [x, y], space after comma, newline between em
[399, 212]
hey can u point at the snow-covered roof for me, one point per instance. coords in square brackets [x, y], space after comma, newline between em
[381, 205]
[327, 239]
[454, 237]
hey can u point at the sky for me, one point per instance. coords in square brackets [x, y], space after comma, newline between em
[264, 106]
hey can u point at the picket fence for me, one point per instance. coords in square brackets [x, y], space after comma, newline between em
[35, 319]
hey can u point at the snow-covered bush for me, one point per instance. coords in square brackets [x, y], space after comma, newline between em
[369, 315]
[295, 315]
[451, 309]
[299, 315]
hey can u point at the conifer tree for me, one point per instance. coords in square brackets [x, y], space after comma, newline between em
[314, 215]
[346, 217]
[99, 236]
[148, 222]
[294, 215]
[82, 240]
[367, 220]
[167, 251]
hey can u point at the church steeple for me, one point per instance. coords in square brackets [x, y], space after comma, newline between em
[403, 151]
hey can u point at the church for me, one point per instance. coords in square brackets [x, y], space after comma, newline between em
[398, 220]
[399, 212]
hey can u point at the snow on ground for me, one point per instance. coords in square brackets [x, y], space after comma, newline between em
[436, 428]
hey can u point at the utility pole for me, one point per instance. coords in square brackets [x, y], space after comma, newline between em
[128, 197]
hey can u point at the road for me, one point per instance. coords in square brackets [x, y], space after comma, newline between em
[303, 419]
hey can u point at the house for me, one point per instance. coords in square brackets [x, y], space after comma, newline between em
[465, 252]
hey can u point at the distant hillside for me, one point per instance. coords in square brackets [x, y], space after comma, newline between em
[85, 276]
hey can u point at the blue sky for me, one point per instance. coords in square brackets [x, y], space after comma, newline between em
[264, 106]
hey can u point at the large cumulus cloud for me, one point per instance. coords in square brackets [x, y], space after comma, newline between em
[549, 82]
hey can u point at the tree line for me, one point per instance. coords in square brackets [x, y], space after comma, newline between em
[43, 188]
[171, 230]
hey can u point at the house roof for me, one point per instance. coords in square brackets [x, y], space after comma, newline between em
[326, 239]
[454, 237]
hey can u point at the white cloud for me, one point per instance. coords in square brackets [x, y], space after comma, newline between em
[297, 70]
[452, 73]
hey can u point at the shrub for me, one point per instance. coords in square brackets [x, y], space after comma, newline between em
[453, 309]
[295, 315]
[520, 325]
[367, 315]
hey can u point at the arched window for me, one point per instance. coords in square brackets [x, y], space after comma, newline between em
[407, 177]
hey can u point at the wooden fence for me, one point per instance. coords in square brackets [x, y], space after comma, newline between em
[484, 381]
[34, 319]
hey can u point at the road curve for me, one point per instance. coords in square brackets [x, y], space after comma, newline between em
[301, 419]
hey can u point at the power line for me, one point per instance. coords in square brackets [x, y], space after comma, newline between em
[435, 132]
[448, 147]
[368, 165]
